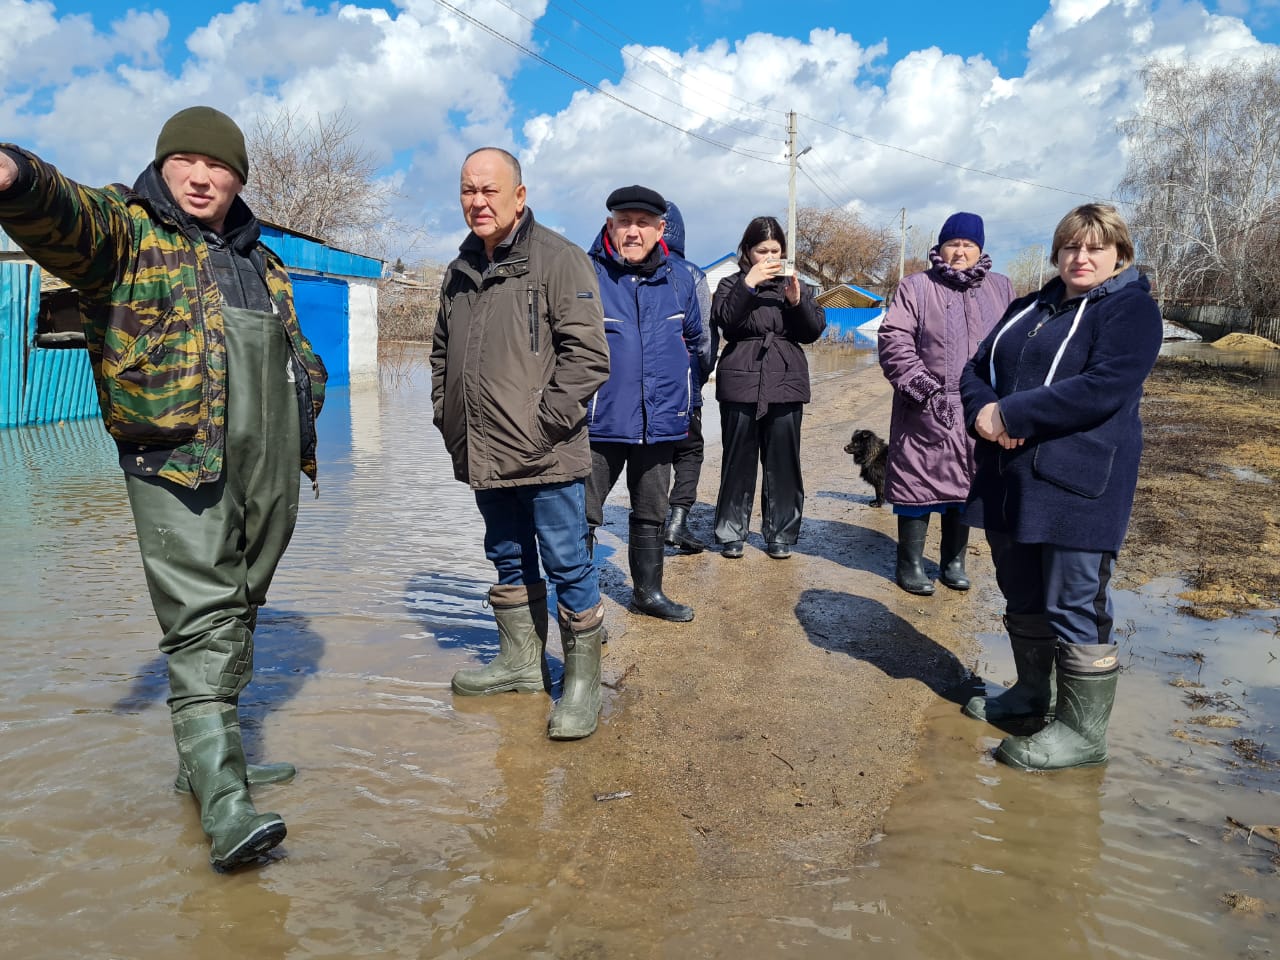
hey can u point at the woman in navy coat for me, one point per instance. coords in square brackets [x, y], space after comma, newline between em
[1052, 395]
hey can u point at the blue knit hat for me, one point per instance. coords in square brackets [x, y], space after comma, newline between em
[963, 226]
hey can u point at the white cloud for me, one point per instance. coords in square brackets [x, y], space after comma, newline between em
[426, 86]
[1055, 125]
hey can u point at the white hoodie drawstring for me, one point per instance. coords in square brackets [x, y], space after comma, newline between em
[1057, 357]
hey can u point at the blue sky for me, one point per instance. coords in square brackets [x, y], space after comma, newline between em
[1007, 108]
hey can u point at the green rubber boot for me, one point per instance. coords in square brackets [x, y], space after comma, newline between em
[256, 774]
[577, 712]
[521, 664]
[211, 756]
[1087, 675]
[1034, 653]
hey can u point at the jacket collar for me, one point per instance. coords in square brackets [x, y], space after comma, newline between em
[1054, 292]
[511, 256]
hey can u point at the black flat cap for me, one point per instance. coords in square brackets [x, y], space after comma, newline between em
[636, 197]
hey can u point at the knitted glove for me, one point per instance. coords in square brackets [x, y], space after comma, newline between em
[921, 387]
[941, 409]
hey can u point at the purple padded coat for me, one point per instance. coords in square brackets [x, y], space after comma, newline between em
[930, 331]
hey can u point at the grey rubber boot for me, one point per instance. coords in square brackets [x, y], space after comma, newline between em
[646, 555]
[909, 573]
[256, 774]
[211, 756]
[521, 663]
[678, 534]
[577, 712]
[1035, 648]
[955, 541]
[1087, 675]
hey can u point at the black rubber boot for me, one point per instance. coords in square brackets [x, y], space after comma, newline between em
[955, 541]
[521, 613]
[1035, 648]
[1087, 675]
[645, 552]
[910, 573]
[678, 534]
[211, 756]
[577, 712]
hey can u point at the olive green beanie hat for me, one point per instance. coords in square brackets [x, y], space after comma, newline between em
[206, 131]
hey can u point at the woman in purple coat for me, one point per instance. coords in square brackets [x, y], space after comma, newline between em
[935, 323]
[1053, 393]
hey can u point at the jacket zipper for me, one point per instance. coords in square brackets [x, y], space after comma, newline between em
[532, 299]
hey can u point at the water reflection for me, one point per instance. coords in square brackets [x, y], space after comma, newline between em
[424, 827]
[1264, 364]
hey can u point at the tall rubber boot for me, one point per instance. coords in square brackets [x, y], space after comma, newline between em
[645, 553]
[521, 663]
[256, 775]
[910, 573]
[1087, 675]
[1034, 652]
[678, 534]
[577, 713]
[955, 541]
[211, 756]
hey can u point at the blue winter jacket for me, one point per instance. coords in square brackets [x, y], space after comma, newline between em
[653, 324]
[1069, 381]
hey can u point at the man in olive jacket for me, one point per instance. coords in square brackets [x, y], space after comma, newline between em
[519, 349]
[211, 391]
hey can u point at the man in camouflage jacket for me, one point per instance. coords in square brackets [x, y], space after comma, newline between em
[210, 390]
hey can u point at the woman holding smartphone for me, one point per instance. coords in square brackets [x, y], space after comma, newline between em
[762, 384]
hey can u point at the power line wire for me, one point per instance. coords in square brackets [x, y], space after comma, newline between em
[754, 105]
[622, 76]
[498, 35]
[743, 152]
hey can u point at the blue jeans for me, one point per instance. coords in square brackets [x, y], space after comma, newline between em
[1070, 587]
[522, 524]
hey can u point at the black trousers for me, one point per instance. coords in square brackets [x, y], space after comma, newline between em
[686, 463]
[773, 442]
[648, 467]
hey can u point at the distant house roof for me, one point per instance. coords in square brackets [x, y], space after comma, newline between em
[848, 295]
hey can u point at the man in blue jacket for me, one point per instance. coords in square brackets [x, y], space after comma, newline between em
[653, 324]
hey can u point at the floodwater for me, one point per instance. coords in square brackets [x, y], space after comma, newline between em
[1263, 364]
[425, 828]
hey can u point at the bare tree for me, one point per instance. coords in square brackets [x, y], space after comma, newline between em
[1204, 177]
[1028, 269]
[312, 175]
[837, 247]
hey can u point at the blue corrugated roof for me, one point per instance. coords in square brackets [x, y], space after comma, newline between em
[299, 252]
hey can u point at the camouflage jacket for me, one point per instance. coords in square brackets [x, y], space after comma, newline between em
[152, 316]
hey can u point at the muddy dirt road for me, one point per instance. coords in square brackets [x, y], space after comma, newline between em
[766, 739]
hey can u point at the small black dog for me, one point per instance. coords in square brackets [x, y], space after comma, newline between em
[871, 454]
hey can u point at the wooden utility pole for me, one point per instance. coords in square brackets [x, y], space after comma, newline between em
[792, 159]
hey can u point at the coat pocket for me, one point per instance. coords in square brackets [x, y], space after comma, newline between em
[154, 382]
[1078, 463]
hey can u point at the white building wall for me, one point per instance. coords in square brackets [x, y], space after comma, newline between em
[362, 310]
